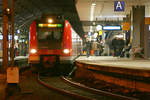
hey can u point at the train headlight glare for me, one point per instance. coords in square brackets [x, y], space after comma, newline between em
[33, 51]
[66, 51]
[50, 20]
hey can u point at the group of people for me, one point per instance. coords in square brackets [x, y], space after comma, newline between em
[118, 45]
[120, 48]
[94, 46]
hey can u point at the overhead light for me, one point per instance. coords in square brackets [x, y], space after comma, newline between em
[114, 16]
[93, 4]
[18, 31]
[92, 14]
[111, 27]
[98, 27]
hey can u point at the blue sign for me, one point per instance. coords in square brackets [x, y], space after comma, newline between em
[119, 5]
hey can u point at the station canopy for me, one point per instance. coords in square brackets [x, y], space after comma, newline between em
[28, 10]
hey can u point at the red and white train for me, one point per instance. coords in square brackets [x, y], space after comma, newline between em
[52, 40]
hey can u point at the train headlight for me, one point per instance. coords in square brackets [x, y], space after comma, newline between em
[33, 51]
[66, 51]
[50, 20]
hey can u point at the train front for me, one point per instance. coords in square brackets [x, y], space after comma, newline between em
[53, 42]
[46, 39]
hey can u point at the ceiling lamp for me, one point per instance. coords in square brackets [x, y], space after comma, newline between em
[18, 31]
[93, 4]
[92, 14]
[92, 11]
[98, 27]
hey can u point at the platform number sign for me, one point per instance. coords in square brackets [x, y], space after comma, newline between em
[119, 5]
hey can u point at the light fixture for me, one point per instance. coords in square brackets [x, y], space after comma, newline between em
[111, 27]
[33, 51]
[93, 4]
[50, 20]
[7, 11]
[92, 11]
[113, 16]
[98, 27]
[18, 31]
[66, 51]
[92, 14]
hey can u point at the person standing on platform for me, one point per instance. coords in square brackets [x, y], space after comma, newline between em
[120, 44]
[100, 48]
[16, 48]
[114, 44]
[88, 48]
[95, 48]
[127, 50]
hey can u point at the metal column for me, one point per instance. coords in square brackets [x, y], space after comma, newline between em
[5, 36]
[12, 32]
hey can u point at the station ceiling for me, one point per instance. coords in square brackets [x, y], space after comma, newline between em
[78, 12]
[103, 11]
[28, 10]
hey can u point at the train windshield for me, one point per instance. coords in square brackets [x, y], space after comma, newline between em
[49, 38]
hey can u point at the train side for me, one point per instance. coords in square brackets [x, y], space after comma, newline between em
[61, 47]
[72, 41]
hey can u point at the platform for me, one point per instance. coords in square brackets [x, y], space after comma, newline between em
[125, 72]
[17, 58]
[116, 62]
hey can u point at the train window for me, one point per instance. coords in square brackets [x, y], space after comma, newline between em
[49, 35]
[40, 36]
[57, 35]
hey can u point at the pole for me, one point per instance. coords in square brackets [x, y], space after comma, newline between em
[5, 37]
[5, 49]
[12, 32]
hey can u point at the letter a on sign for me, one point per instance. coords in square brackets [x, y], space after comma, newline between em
[119, 5]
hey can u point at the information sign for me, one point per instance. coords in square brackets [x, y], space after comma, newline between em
[119, 5]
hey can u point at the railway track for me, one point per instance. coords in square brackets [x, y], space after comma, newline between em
[57, 88]
[78, 91]
[32, 90]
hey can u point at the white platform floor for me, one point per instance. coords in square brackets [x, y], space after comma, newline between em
[116, 62]
[17, 58]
